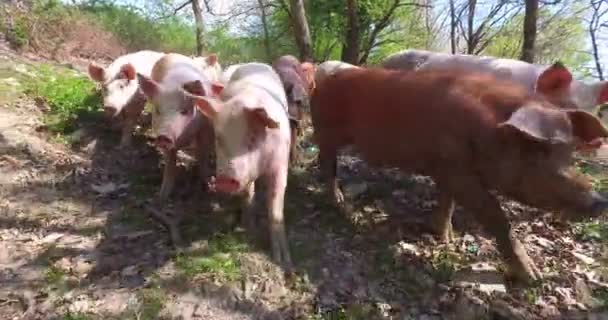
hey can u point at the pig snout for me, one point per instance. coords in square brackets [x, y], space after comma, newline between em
[163, 143]
[224, 184]
[109, 111]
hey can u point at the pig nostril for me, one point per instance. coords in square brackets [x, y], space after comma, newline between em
[163, 142]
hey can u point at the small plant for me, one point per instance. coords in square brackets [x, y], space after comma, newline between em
[592, 231]
[445, 264]
[70, 98]
[531, 294]
[152, 302]
[76, 316]
[221, 259]
[54, 275]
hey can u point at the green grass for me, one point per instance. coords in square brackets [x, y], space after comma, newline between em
[54, 276]
[221, 259]
[71, 98]
[152, 302]
[76, 316]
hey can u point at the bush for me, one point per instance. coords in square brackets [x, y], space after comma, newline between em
[71, 98]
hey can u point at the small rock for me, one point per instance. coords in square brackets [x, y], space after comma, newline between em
[470, 307]
[354, 190]
[583, 294]
[506, 311]
[467, 238]
[549, 312]
[104, 188]
[409, 248]
[129, 271]
[583, 258]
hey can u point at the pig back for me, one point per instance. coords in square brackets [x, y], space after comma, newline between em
[420, 121]
[143, 61]
[256, 75]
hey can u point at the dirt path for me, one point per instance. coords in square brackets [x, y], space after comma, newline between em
[77, 241]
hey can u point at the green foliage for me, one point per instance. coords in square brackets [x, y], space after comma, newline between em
[70, 97]
[558, 38]
[220, 259]
[76, 316]
[235, 49]
[54, 276]
[138, 31]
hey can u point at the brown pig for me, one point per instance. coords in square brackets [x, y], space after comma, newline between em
[472, 133]
[294, 80]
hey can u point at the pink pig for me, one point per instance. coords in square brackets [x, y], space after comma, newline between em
[175, 121]
[122, 99]
[252, 143]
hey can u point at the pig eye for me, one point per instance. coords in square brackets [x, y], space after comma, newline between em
[185, 112]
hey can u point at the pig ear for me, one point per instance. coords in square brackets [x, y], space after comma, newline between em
[194, 87]
[96, 72]
[556, 77]
[127, 71]
[259, 115]
[211, 59]
[538, 124]
[217, 88]
[148, 86]
[206, 105]
[586, 126]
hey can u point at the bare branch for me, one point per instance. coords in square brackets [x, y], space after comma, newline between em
[176, 10]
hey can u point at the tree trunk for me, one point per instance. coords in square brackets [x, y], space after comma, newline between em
[198, 19]
[471, 41]
[593, 28]
[301, 30]
[530, 18]
[265, 28]
[452, 27]
[350, 50]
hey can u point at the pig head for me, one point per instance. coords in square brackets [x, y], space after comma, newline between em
[529, 158]
[294, 81]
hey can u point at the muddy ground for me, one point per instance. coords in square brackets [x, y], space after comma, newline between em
[78, 240]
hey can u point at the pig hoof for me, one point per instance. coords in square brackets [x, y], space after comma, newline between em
[524, 271]
[445, 233]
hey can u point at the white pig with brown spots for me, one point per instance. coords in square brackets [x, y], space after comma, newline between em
[252, 138]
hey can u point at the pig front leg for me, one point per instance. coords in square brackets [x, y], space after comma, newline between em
[471, 194]
[247, 218]
[169, 173]
[328, 162]
[275, 197]
[441, 218]
[126, 137]
[131, 115]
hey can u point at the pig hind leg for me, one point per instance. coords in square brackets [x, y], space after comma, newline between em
[275, 197]
[169, 173]
[441, 218]
[471, 194]
[293, 152]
